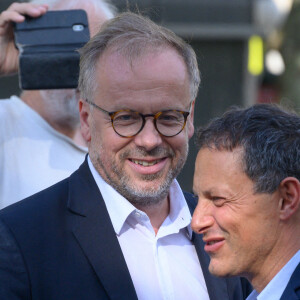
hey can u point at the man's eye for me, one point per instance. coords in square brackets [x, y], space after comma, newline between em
[170, 119]
[126, 118]
[218, 201]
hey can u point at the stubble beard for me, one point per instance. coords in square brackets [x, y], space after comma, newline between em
[124, 184]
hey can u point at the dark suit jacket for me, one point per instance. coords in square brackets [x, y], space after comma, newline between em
[292, 291]
[60, 244]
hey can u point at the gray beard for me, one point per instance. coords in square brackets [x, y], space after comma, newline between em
[63, 106]
[143, 198]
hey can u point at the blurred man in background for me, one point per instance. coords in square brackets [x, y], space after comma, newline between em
[40, 138]
[247, 178]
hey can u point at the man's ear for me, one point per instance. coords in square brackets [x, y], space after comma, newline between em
[84, 113]
[289, 204]
[190, 121]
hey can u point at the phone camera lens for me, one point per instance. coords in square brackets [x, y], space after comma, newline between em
[78, 27]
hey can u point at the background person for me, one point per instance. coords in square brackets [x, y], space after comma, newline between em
[40, 138]
[119, 227]
[247, 180]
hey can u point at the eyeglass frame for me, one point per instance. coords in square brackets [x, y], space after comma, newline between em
[144, 116]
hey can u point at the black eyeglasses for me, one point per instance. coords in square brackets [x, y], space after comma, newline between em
[128, 123]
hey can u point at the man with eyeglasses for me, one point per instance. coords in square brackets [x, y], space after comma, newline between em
[119, 227]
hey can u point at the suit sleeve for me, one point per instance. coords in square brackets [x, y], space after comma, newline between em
[14, 282]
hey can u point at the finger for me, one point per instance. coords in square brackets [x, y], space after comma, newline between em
[10, 16]
[16, 12]
[30, 9]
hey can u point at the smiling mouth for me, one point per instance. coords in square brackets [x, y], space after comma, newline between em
[145, 163]
[212, 246]
[212, 242]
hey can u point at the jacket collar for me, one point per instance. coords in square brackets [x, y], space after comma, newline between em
[93, 231]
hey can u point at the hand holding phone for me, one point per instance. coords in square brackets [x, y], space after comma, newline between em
[48, 49]
[9, 55]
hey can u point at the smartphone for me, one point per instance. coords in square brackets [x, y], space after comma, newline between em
[48, 47]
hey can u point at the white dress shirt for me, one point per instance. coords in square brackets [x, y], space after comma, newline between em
[163, 266]
[276, 287]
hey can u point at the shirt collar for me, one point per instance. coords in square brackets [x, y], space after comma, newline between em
[119, 208]
[179, 210]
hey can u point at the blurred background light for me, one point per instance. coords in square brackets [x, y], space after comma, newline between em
[274, 62]
[255, 55]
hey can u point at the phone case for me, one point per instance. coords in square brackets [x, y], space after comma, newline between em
[48, 49]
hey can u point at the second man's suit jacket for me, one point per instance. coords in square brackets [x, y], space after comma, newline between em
[60, 244]
[292, 290]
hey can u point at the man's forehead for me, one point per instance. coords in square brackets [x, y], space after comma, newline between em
[149, 80]
[115, 59]
[216, 161]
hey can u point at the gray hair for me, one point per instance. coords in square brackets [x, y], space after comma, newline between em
[132, 34]
[101, 6]
[269, 137]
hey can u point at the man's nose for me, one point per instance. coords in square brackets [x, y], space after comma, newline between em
[202, 217]
[149, 138]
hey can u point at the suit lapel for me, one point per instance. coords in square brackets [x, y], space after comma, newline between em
[94, 232]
